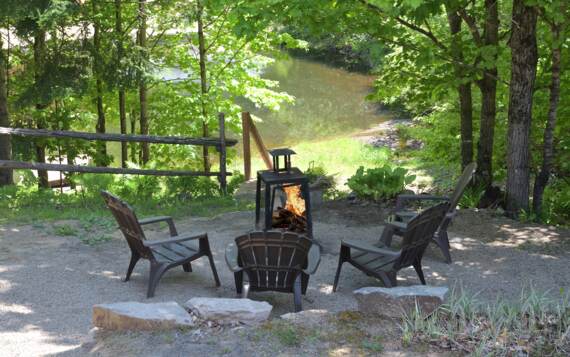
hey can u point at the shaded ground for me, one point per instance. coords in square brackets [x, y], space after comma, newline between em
[49, 282]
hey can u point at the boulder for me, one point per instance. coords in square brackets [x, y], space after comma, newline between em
[400, 301]
[225, 310]
[139, 316]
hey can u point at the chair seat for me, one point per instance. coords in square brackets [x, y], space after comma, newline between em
[175, 252]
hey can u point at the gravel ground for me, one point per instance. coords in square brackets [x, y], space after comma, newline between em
[49, 283]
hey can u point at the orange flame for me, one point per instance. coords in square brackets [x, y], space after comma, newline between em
[294, 203]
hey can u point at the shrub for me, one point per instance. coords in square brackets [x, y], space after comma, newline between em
[380, 183]
[556, 203]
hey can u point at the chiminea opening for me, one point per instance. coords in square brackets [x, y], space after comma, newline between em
[293, 211]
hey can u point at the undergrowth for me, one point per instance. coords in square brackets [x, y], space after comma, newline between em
[535, 325]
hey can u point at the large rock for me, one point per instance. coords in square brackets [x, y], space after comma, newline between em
[400, 301]
[138, 316]
[230, 310]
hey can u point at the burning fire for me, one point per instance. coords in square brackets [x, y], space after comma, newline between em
[295, 203]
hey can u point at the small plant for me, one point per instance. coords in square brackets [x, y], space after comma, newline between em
[65, 230]
[373, 345]
[318, 177]
[380, 183]
[471, 197]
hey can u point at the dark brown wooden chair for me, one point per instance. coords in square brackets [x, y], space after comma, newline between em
[378, 261]
[273, 261]
[401, 216]
[163, 254]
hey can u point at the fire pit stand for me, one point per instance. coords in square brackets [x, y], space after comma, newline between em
[273, 179]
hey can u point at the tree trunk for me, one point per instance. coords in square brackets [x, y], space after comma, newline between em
[203, 82]
[101, 157]
[39, 55]
[548, 144]
[463, 90]
[120, 50]
[133, 131]
[523, 73]
[488, 88]
[145, 152]
[6, 175]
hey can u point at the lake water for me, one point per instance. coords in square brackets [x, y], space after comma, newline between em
[329, 102]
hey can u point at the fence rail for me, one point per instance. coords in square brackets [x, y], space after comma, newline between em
[220, 144]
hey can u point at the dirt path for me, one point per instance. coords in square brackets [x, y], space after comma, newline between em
[49, 283]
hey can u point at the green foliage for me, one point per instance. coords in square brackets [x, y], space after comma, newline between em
[471, 197]
[65, 230]
[556, 203]
[380, 183]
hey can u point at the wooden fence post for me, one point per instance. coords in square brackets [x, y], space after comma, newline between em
[246, 146]
[222, 177]
[259, 142]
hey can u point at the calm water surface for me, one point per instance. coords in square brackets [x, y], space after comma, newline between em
[329, 103]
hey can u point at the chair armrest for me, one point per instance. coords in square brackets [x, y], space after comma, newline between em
[182, 238]
[167, 219]
[232, 257]
[398, 227]
[313, 259]
[370, 248]
[402, 199]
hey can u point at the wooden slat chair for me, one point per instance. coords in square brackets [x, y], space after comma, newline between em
[163, 254]
[382, 263]
[273, 261]
[401, 217]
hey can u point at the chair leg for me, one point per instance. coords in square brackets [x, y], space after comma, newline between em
[343, 257]
[134, 259]
[156, 272]
[304, 283]
[297, 294]
[214, 271]
[418, 268]
[389, 279]
[238, 278]
[187, 267]
[387, 235]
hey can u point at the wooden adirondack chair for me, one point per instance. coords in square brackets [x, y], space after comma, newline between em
[273, 261]
[399, 223]
[378, 261]
[162, 254]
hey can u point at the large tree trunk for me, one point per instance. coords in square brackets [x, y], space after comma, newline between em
[39, 56]
[523, 74]
[548, 144]
[463, 90]
[203, 82]
[6, 175]
[145, 152]
[101, 158]
[122, 109]
[488, 88]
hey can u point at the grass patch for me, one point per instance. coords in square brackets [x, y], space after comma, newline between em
[536, 325]
[65, 230]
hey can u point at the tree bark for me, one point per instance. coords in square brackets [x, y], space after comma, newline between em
[488, 88]
[145, 152]
[523, 73]
[548, 140]
[463, 90]
[6, 175]
[203, 82]
[120, 50]
[39, 56]
[100, 127]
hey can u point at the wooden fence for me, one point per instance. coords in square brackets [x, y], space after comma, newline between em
[249, 129]
[220, 144]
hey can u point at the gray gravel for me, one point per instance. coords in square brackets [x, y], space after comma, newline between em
[48, 284]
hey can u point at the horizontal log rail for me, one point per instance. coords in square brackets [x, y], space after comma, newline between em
[9, 164]
[39, 133]
[219, 143]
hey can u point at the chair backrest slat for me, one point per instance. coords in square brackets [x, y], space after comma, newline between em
[419, 232]
[128, 223]
[462, 184]
[272, 259]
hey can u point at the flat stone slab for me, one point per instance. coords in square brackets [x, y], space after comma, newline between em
[400, 301]
[134, 315]
[230, 310]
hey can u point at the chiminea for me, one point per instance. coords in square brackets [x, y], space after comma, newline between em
[295, 184]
